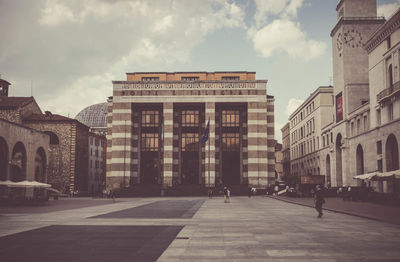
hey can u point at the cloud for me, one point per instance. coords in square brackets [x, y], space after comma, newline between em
[285, 36]
[292, 105]
[281, 8]
[387, 10]
[72, 49]
[276, 32]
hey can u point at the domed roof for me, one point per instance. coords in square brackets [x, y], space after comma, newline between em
[94, 115]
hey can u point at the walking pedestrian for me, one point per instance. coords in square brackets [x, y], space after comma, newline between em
[319, 200]
[210, 193]
[225, 194]
[228, 193]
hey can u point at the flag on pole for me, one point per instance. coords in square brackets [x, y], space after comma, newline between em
[206, 133]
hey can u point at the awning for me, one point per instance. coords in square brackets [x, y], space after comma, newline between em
[6, 183]
[367, 176]
[53, 190]
[395, 174]
[27, 183]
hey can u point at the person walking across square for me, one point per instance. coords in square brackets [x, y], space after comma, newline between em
[319, 200]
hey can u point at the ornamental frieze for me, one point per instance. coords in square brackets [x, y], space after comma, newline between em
[189, 85]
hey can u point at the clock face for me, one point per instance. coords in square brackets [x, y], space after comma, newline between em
[353, 38]
[339, 41]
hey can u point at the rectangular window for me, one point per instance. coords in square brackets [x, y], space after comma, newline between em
[149, 142]
[380, 166]
[230, 142]
[323, 140]
[190, 118]
[390, 107]
[379, 147]
[190, 142]
[388, 42]
[365, 123]
[189, 78]
[147, 79]
[331, 137]
[230, 78]
[358, 126]
[150, 118]
[230, 118]
[352, 129]
[378, 117]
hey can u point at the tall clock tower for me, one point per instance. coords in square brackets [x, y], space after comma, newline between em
[357, 20]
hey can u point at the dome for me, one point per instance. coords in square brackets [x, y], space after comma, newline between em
[94, 115]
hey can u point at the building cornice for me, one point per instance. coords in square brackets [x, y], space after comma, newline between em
[320, 90]
[356, 20]
[194, 72]
[380, 35]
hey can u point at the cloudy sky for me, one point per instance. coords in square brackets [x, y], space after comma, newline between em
[66, 53]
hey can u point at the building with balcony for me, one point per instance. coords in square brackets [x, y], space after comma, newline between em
[204, 128]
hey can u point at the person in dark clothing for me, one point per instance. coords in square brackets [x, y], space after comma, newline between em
[225, 194]
[319, 200]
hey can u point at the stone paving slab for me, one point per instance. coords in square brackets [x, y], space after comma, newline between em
[368, 210]
[247, 229]
[159, 209]
[88, 243]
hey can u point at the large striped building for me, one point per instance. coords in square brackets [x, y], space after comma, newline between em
[156, 121]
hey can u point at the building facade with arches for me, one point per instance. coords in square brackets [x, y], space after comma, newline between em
[362, 135]
[24, 153]
[62, 159]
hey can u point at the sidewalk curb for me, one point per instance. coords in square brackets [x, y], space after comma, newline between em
[335, 210]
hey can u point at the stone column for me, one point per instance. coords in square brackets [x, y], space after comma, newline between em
[168, 108]
[210, 146]
[120, 172]
[257, 144]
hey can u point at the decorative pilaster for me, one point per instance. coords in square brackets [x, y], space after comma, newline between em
[210, 146]
[168, 147]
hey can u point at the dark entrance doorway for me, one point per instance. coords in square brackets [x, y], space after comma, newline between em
[339, 179]
[149, 168]
[230, 159]
[190, 167]
[231, 168]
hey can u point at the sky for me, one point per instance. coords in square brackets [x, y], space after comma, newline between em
[67, 53]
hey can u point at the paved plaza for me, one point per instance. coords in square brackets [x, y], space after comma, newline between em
[190, 229]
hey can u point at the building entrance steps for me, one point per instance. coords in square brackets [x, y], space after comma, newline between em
[368, 210]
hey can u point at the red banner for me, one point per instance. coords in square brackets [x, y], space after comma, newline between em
[339, 108]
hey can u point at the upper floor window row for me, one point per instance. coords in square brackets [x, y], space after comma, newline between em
[230, 118]
[230, 78]
[150, 118]
[150, 79]
[190, 78]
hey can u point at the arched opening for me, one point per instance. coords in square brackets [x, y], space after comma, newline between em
[18, 163]
[392, 153]
[53, 138]
[359, 160]
[40, 171]
[40, 165]
[3, 159]
[328, 170]
[339, 179]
